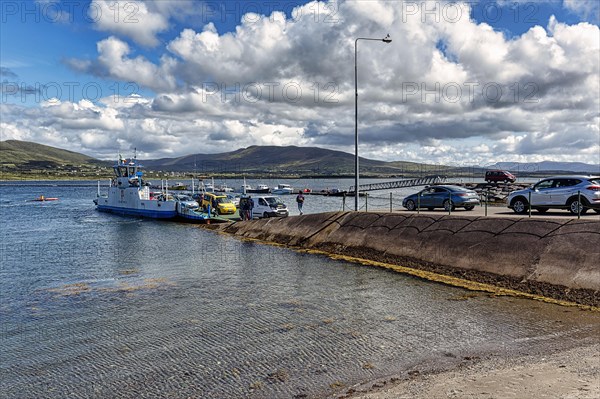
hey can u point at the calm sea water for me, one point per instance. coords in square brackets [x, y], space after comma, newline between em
[94, 305]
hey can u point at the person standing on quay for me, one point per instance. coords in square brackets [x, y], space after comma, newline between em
[300, 201]
[250, 208]
[243, 209]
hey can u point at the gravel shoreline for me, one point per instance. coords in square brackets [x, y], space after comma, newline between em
[572, 373]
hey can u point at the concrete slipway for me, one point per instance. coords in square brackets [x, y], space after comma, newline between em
[553, 259]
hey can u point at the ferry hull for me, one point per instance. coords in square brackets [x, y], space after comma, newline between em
[132, 201]
[154, 214]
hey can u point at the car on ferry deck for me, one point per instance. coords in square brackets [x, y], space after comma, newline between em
[186, 201]
[234, 198]
[220, 203]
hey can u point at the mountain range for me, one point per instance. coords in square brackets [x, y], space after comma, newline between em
[18, 156]
[286, 160]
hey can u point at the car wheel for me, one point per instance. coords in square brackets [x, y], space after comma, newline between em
[505, 181]
[265, 215]
[410, 205]
[542, 210]
[448, 206]
[520, 205]
[597, 210]
[576, 207]
[470, 207]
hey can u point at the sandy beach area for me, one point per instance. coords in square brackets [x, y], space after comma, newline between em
[567, 374]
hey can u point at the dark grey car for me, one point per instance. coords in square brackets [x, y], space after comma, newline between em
[444, 196]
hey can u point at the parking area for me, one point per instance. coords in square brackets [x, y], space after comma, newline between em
[503, 211]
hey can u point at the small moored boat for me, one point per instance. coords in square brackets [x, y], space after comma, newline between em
[260, 189]
[282, 189]
[223, 189]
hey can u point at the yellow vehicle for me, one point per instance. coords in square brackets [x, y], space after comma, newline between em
[220, 203]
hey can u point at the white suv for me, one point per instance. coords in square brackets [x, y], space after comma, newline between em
[575, 193]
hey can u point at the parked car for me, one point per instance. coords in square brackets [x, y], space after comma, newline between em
[558, 192]
[443, 196]
[267, 206]
[494, 176]
[220, 203]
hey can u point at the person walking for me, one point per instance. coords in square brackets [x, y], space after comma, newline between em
[300, 201]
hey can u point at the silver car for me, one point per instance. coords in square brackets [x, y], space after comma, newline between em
[575, 193]
[186, 201]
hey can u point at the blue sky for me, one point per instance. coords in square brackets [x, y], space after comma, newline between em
[461, 83]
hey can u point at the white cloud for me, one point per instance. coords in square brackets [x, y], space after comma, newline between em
[278, 80]
[12, 132]
[128, 18]
[588, 9]
[81, 116]
[113, 62]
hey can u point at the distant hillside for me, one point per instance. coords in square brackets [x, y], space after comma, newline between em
[31, 158]
[28, 153]
[289, 159]
[18, 157]
[548, 166]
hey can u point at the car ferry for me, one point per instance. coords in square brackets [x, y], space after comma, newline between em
[128, 194]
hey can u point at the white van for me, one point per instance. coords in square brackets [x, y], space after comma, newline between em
[268, 206]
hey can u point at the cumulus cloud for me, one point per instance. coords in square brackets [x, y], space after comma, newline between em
[128, 18]
[450, 87]
[144, 21]
[83, 115]
[114, 62]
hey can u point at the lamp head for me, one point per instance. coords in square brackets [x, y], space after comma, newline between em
[387, 39]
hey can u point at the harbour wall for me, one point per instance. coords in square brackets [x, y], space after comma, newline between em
[557, 259]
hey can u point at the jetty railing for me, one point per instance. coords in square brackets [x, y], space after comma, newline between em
[420, 181]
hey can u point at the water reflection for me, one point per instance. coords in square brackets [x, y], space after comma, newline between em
[106, 306]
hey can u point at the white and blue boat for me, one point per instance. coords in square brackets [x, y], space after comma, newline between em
[128, 194]
[282, 189]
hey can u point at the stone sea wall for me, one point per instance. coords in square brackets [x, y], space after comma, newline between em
[554, 258]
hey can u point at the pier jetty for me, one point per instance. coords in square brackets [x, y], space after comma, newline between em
[549, 258]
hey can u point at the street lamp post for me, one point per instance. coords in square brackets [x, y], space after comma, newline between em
[386, 39]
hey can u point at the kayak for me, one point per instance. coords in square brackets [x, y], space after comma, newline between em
[42, 198]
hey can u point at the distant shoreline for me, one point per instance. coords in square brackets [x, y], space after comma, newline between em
[8, 177]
